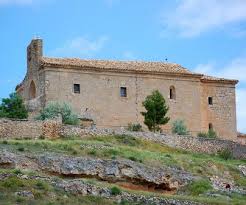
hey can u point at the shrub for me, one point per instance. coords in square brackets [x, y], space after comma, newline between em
[225, 154]
[199, 187]
[21, 149]
[127, 140]
[156, 110]
[54, 109]
[115, 191]
[202, 134]
[13, 107]
[179, 127]
[210, 134]
[134, 127]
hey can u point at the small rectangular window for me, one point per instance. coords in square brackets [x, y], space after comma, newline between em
[210, 100]
[76, 88]
[123, 92]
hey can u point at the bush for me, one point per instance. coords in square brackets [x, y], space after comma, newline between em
[179, 127]
[199, 187]
[115, 191]
[127, 140]
[202, 134]
[53, 110]
[134, 127]
[13, 107]
[225, 154]
[210, 134]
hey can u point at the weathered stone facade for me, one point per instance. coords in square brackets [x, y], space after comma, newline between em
[52, 79]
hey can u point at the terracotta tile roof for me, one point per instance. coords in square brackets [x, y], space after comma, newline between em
[207, 78]
[140, 66]
[124, 66]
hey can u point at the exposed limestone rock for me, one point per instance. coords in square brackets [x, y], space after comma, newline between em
[115, 171]
[242, 168]
[7, 160]
[226, 185]
[80, 187]
[27, 194]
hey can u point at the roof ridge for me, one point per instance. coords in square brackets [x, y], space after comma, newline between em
[111, 60]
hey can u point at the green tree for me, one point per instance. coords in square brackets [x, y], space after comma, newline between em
[156, 110]
[13, 107]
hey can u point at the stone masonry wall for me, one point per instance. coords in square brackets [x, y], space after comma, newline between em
[222, 113]
[10, 129]
[16, 129]
[194, 144]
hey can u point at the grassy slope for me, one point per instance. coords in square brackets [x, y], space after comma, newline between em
[153, 154]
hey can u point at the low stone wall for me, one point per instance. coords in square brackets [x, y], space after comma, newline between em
[195, 144]
[12, 129]
[31, 129]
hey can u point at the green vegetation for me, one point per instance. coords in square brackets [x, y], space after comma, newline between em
[121, 147]
[210, 134]
[179, 127]
[13, 107]
[134, 127]
[54, 109]
[115, 190]
[225, 154]
[156, 110]
[199, 187]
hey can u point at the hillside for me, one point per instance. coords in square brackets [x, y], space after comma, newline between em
[118, 169]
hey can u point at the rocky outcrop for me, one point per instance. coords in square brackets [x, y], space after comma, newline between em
[7, 160]
[79, 187]
[115, 171]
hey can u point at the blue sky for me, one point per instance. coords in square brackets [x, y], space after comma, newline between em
[204, 36]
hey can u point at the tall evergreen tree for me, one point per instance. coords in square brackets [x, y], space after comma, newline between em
[13, 107]
[156, 110]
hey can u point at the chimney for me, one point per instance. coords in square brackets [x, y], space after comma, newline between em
[34, 53]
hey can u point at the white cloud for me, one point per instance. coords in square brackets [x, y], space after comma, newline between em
[193, 17]
[236, 69]
[80, 47]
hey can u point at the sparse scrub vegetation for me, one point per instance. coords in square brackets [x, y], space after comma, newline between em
[55, 109]
[134, 127]
[210, 134]
[121, 147]
[225, 154]
[179, 128]
[199, 187]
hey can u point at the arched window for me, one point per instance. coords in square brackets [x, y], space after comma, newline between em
[172, 94]
[32, 91]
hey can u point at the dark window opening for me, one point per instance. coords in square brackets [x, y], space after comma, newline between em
[172, 93]
[76, 88]
[123, 92]
[210, 100]
[210, 126]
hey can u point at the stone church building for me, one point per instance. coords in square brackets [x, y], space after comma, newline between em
[111, 92]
